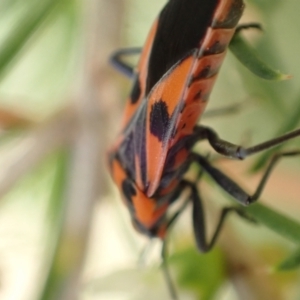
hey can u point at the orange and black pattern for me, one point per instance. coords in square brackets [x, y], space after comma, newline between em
[174, 78]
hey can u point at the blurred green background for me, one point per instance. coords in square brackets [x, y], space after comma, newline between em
[64, 233]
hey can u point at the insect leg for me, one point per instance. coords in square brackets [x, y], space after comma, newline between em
[269, 170]
[117, 61]
[198, 226]
[254, 25]
[166, 271]
[199, 220]
[232, 188]
[181, 187]
[237, 151]
[165, 267]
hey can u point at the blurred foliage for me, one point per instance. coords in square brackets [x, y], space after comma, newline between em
[204, 275]
[291, 262]
[41, 45]
[55, 214]
[39, 39]
[250, 59]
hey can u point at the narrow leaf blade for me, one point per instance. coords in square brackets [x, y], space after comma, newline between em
[291, 262]
[275, 221]
[250, 59]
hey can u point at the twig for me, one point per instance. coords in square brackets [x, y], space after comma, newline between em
[31, 150]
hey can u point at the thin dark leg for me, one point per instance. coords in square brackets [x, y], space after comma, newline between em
[237, 151]
[166, 271]
[251, 25]
[233, 188]
[116, 60]
[198, 225]
[165, 267]
[180, 188]
[269, 170]
[199, 220]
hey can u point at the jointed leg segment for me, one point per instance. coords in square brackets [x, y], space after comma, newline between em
[117, 60]
[237, 151]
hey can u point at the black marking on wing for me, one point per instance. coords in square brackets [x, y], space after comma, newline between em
[216, 48]
[181, 27]
[128, 191]
[204, 73]
[233, 15]
[126, 155]
[136, 90]
[166, 179]
[159, 119]
[134, 145]
[198, 95]
[186, 142]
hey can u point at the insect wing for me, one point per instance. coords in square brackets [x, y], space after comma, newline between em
[186, 63]
[163, 109]
[134, 110]
[139, 87]
[177, 40]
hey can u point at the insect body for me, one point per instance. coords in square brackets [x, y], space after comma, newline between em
[175, 75]
[177, 69]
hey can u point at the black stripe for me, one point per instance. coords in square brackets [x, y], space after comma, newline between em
[181, 27]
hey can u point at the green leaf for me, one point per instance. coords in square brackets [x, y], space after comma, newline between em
[201, 273]
[291, 262]
[250, 59]
[275, 221]
[266, 6]
[22, 31]
[56, 212]
[291, 123]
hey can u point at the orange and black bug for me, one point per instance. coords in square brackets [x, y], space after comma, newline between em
[172, 83]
